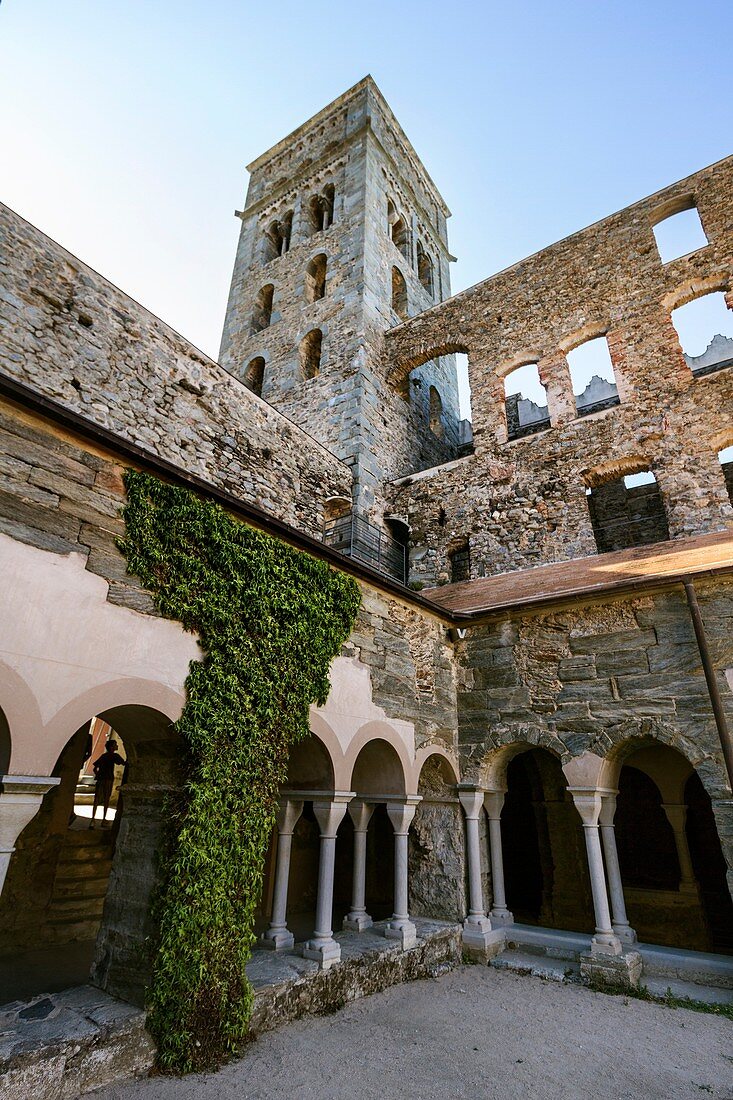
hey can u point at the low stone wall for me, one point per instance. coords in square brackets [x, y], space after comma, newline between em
[62, 1045]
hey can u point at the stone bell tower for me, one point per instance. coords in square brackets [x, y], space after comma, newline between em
[344, 235]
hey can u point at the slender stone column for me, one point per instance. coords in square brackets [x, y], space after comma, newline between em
[323, 947]
[677, 817]
[621, 925]
[400, 927]
[20, 800]
[500, 915]
[588, 804]
[277, 937]
[477, 929]
[358, 919]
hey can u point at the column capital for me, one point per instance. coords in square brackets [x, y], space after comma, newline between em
[588, 802]
[401, 813]
[329, 814]
[360, 813]
[471, 798]
[288, 813]
[34, 786]
[608, 808]
[494, 801]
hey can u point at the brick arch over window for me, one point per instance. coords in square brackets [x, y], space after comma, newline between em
[400, 370]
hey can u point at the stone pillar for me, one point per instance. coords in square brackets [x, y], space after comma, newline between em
[277, 937]
[493, 801]
[20, 800]
[399, 926]
[323, 947]
[677, 817]
[358, 919]
[621, 924]
[588, 804]
[478, 933]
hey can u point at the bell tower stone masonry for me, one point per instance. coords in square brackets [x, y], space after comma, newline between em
[344, 237]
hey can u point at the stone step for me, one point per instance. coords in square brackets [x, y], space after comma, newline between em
[88, 887]
[697, 967]
[62, 909]
[528, 962]
[547, 942]
[711, 995]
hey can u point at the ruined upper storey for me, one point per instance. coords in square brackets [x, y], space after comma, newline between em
[631, 448]
[343, 236]
[74, 337]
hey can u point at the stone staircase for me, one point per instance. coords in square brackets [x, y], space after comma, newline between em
[554, 955]
[80, 885]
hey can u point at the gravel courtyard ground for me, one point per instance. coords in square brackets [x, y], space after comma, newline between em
[476, 1033]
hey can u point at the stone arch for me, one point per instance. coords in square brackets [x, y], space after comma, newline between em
[310, 766]
[492, 769]
[620, 742]
[698, 287]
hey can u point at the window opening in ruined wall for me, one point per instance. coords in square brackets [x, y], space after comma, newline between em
[254, 375]
[726, 463]
[262, 313]
[705, 330]
[525, 401]
[459, 563]
[310, 353]
[435, 413]
[591, 372]
[424, 268]
[399, 294]
[315, 278]
[397, 230]
[679, 234]
[627, 512]
[465, 427]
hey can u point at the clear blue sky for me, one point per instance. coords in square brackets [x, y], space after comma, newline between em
[125, 126]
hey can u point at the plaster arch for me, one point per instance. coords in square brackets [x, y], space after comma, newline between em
[378, 771]
[425, 752]
[322, 731]
[22, 714]
[382, 731]
[37, 754]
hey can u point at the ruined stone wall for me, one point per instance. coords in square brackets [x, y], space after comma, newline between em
[74, 337]
[522, 502]
[591, 677]
[624, 517]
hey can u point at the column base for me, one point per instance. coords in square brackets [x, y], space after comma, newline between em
[357, 922]
[604, 944]
[277, 940]
[625, 933]
[481, 940]
[611, 971]
[402, 930]
[325, 952]
[501, 918]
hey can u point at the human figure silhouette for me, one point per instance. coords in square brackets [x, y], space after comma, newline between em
[104, 772]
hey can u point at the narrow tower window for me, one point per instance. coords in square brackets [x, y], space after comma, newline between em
[459, 563]
[310, 353]
[591, 371]
[436, 413]
[397, 230]
[315, 278]
[399, 294]
[277, 237]
[254, 375]
[424, 268]
[726, 464]
[263, 309]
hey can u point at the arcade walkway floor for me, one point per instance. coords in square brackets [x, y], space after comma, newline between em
[479, 1033]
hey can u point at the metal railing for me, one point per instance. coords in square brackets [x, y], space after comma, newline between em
[357, 538]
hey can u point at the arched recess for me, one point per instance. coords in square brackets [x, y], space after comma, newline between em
[399, 294]
[545, 865]
[437, 844]
[315, 278]
[84, 894]
[672, 866]
[378, 772]
[5, 744]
